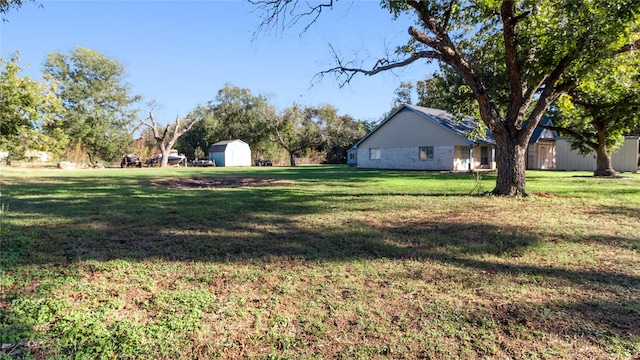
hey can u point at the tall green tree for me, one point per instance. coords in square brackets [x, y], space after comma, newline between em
[235, 113]
[201, 135]
[603, 108]
[296, 131]
[27, 109]
[343, 132]
[596, 114]
[516, 56]
[101, 112]
[446, 90]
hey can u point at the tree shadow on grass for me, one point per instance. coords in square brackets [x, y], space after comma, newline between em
[260, 224]
[619, 210]
[137, 223]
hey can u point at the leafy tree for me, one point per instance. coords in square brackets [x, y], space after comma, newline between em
[242, 115]
[199, 153]
[342, 133]
[100, 112]
[446, 90]
[403, 94]
[26, 108]
[516, 57]
[337, 133]
[235, 113]
[145, 145]
[602, 109]
[201, 135]
[317, 129]
[296, 131]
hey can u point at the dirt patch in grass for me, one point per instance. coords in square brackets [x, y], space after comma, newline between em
[217, 182]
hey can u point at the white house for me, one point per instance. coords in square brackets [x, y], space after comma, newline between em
[230, 153]
[624, 159]
[420, 138]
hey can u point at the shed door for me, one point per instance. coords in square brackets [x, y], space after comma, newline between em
[545, 156]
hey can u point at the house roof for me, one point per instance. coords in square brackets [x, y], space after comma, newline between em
[460, 127]
[540, 133]
[221, 146]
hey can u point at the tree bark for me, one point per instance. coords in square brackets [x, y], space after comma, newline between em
[511, 164]
[292, 159]
[164, 161]
[604, 166]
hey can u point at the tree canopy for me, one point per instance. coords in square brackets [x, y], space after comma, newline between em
[26, 108]
[235, 113]
[100, 109]
[602, 108]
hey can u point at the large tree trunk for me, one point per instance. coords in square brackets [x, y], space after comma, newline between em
[603, 162]
[511, 163]
[292, 159]
[164, 162]
[603, 155]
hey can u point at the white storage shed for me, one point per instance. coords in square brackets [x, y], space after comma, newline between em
[230, 153]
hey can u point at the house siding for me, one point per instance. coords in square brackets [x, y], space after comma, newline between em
[406, 158]
[397, 141]
[625, 159]
[409, 129]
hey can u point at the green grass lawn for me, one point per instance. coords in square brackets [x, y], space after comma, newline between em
[317, 262]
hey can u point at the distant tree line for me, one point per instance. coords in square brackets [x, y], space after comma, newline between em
[83, 109]
[317, 132]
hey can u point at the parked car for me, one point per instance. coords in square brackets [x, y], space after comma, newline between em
[203, 163]
[130, 160]
[263, 162]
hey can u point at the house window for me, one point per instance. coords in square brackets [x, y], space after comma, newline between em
[352, 156]
[484, 155]
[374, 154]
[426, 153]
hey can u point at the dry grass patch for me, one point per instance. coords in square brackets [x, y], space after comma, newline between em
[216, 182]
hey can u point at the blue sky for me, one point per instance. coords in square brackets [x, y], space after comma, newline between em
[180, 53]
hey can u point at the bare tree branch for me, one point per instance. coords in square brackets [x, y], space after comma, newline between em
[176, 130]
[284, 12]
[380, 65]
